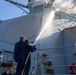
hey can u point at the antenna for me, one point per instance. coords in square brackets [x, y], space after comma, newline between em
[21, 6]
[50, 3]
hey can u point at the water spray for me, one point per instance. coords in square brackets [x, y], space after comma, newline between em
[48, 22]
[49, 19]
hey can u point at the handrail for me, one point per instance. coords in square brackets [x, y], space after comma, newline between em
[56, 47]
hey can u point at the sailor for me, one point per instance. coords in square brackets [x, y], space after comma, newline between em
[21, 52]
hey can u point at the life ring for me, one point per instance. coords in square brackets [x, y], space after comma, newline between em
[72, 68]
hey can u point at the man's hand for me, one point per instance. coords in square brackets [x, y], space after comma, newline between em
[34, 47]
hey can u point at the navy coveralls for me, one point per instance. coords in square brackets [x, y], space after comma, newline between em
[20, 54]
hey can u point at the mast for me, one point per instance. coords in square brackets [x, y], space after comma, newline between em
[32, 4]
[21, 6]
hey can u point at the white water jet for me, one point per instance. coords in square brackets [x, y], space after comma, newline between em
[48, 22]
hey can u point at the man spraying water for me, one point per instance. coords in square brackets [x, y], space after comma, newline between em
[22, 56]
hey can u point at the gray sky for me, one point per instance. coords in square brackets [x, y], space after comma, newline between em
[8, 10]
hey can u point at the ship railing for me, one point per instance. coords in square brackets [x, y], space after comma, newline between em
[39, 58]
[6, 58]
[56, 47]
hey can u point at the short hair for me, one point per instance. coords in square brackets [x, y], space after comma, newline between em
[26, 41]
[21, 37]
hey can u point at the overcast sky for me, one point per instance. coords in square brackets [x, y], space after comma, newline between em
[8, 10]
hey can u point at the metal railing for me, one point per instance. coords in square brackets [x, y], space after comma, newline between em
[37, 63]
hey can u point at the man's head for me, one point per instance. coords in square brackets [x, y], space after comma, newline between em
[22, 38]
[26, 41]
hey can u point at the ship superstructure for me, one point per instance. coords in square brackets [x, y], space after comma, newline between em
[56, 46]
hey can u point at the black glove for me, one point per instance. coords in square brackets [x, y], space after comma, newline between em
[34, 47]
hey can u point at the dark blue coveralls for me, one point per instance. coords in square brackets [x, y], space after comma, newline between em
[20, 55]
